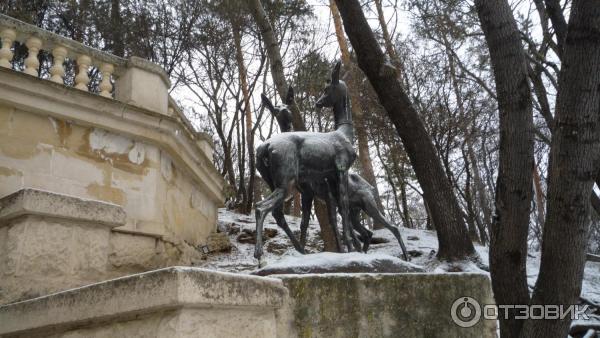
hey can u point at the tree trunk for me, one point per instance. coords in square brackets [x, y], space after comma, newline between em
[118, 47]
[482, 196]
[539, 198]
[454, 242]
[508, 243]
[573, 167]
[357, 111]
[239, 56]
[387, 40]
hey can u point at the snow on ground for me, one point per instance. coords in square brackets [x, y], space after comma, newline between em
[328, 262]
[421, 245]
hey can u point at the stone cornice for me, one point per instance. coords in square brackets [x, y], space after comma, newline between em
[40, 96]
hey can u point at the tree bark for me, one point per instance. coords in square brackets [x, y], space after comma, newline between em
[357, 110]
[508, 242]
[454, 242]
[573, 167]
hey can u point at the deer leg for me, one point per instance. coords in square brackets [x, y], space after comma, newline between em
[372, 210]
[365, 233]
[349, 236]
[332, 214]
[280, 219]
[307, 201]
[262, 209]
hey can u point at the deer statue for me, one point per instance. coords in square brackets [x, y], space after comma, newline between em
[299, 158]
[361, 194]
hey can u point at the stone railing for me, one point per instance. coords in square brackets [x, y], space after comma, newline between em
[135, 80]
[61, 49]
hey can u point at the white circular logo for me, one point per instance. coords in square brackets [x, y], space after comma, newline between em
[465, 312]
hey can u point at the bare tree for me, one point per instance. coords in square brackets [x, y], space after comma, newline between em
[454, 242]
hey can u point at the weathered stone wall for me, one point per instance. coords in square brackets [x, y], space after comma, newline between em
[415, 305]
[42, 152]
[191, 302]
[51, 242]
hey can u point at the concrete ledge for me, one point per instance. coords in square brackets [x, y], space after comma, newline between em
[382, 305]
[43, 203]
[142, 294]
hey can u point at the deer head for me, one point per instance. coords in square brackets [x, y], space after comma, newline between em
[282, 113]
[335, 90]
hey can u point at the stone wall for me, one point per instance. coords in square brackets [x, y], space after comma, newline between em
[416, 305]
[51, 242]
[43, 152]
[71, 142]
[191, 302]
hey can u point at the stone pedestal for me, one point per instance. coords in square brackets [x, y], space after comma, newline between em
[50, 242]
[417, 305]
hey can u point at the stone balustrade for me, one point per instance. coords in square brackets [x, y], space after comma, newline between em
[61, 49]
[134, 81]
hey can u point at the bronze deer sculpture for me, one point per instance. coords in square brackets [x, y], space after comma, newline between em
[299, 158]
[361, 193]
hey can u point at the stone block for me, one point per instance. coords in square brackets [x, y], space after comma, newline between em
[144, 84]
[382, 305]
[52, 242]
[171, 302]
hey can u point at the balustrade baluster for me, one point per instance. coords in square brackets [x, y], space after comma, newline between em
[7, 37]
[58, 70]
[82, 79]
[106, 86]
[33, 48]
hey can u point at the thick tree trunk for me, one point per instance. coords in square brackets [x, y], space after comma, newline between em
[357, 111]
[573, 167]
[239, 56]
[454, 242]
[508, 244]
[274, 53]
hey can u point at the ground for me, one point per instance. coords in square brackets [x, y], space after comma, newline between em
[421, 244]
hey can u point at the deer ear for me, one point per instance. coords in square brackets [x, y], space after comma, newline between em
[289, 99]
[267, 103]
[335, 76]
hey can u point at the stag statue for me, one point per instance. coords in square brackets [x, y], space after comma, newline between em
[361, 194]
[299, 158]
